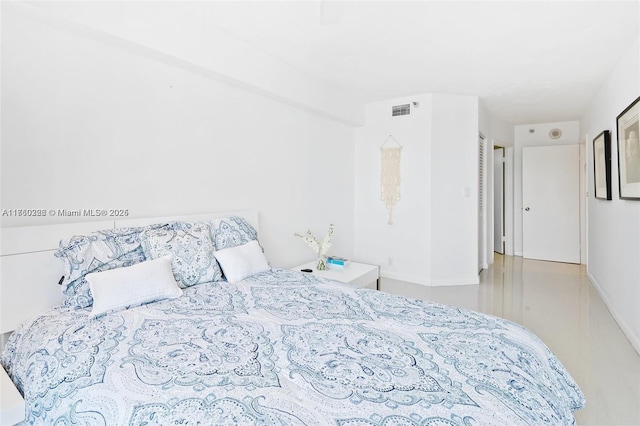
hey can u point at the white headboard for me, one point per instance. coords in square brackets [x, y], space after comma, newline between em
[29, 273]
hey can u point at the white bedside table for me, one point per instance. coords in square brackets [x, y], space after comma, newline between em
[11, 402]
[359, 275]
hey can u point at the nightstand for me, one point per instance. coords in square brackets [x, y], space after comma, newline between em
[359, 275]
[11, 402]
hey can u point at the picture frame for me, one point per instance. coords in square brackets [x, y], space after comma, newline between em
[628, 130]
[602, 166]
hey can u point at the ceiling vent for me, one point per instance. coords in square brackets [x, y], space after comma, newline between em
[398, 110]
[555, 133]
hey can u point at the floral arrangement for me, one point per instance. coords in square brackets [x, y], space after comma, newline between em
[320, 248]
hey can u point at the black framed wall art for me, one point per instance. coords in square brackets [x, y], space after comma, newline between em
[629, 152]
[602, 165]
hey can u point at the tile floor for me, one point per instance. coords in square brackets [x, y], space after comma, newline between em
[558, 303]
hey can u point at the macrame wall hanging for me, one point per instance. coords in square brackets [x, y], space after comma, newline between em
[390, 175]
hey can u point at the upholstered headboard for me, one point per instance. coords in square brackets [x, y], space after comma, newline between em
[29, 272]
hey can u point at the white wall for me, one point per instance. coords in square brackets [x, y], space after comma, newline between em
[501, 133]
[89, 123]
[154, 28]
[454, 196]
[614, 226]
[523, 137]
[403, 249]
[497, 133]
[433, 240]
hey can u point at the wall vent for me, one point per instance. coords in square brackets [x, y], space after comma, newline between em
[397, 110]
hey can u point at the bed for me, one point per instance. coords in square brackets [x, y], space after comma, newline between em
[234, 340]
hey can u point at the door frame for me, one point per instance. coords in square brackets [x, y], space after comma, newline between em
[501, 229]
[508, 201]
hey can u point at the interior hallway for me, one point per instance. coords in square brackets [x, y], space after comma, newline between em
[558, 303]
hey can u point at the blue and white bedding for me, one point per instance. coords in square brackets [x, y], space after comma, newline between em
[286, 348]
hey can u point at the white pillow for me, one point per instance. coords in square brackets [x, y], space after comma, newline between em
[242, 261]
[121, 288]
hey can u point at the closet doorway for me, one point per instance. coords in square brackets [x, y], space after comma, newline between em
[498, 199]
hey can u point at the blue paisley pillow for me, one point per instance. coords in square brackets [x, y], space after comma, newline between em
[96, 252]
[231, 231]
[192, 250]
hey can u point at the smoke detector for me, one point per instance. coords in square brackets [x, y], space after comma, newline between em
[555, 133]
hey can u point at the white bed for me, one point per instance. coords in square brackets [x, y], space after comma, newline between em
[272, 346]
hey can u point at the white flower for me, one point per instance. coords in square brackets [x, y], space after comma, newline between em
[319, 248]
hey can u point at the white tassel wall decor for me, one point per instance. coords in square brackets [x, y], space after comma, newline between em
[390, 176]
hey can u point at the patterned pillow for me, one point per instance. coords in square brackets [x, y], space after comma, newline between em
[231, 231]
[98, 251]
[192, 250]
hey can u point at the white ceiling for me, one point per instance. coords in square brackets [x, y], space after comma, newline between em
[529, 62]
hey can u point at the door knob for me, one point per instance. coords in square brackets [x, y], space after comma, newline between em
[526, 209]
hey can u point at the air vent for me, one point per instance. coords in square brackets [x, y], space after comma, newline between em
[397, 110]
[555, 133]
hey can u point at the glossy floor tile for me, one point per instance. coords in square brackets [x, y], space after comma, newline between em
[558, 303]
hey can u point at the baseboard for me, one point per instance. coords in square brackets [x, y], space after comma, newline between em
[456, 281]
[633, 339]
[404, 277]
[518, 253]
[435, 283]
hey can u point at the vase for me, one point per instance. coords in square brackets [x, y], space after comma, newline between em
[321, 265]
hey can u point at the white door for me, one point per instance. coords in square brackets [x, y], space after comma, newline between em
[551, 204]
[498, 200]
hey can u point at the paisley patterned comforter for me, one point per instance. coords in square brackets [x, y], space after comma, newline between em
[287, 348]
